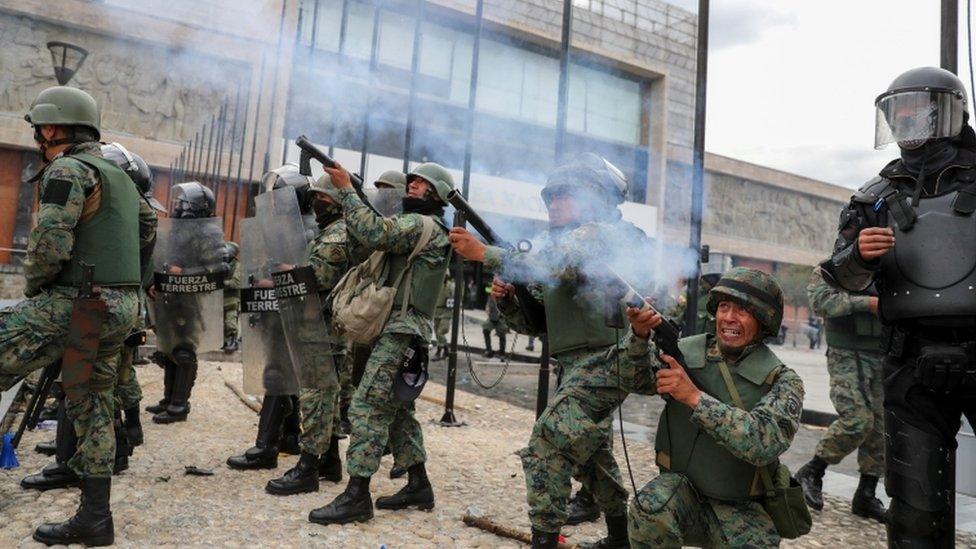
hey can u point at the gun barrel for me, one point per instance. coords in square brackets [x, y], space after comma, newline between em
[304, 144]
[476, 220]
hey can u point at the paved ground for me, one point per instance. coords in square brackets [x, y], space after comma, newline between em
[156, 504]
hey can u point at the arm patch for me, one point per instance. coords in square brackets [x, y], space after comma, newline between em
[56, 192]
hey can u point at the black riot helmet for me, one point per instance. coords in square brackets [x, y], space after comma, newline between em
[191, 200]
[135, 167]
[921, 104]
[288, 176]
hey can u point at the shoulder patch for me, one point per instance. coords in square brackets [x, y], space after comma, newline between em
[57, 191]
[793, 406]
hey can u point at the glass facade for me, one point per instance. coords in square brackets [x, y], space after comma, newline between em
[517, 95]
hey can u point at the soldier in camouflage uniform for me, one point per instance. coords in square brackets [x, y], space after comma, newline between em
[571, 437]
[329, 254]
[443, 315]
[710, 447]
[377, 416]
[854, 365]
[494, 321]
[232, 298]
[89, 212]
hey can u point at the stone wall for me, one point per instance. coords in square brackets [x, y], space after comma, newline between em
[146, 90]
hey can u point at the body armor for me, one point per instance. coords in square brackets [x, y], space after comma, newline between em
[424, 281]
[683, 448]
[109, 239]
[931, 272]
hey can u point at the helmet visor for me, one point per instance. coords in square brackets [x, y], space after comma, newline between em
[912, 117]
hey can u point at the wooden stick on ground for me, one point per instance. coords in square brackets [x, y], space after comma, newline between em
[501, 530]
[440, 402]
[240, 394]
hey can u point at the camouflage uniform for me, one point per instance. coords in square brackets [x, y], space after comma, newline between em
[328, 255]
[443, 314]
[232, 299]
[376, 416]
[33, 333]
[855, 387]
[669, 512]
[570, 438]
[675, 509]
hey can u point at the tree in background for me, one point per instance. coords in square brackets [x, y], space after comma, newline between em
[793, 279]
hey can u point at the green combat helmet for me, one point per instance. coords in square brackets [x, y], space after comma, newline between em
[65, 106]
[436, 175]
[393, 179]
[324, 185]
[588, 171]
[756, 291]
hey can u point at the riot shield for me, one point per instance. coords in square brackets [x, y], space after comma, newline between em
[267, 365]
[296, 289]
[189, 273]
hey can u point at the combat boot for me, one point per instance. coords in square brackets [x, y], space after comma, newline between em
[810, 477]
[184, 378]
[544, 540]
[230, 344]
[264, 453]
[616, 535]
[46, 448]
[300, 479]
[354, 504]
[169, 380]
[292, 429]
[488, 353]
[502, 347]
[582, 509]
[397, 472]
[92, 523]
[330, 466]
[417, 493]
[133, 427]
[865, 504]
[57, 474]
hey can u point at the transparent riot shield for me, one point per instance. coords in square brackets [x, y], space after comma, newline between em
[296, 289]
[267, 364]
[189, 273]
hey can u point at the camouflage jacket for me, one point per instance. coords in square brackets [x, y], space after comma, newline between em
[758, 436]
[232, 284]
[830, 302]
[398, 234]
[51, 241]
[148, 221]
[330, 254]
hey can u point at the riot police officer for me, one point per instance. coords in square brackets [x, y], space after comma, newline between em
[912, 231]
[188, 318]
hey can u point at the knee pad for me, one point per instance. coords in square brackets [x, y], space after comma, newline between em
[920, 466]
[184, 357]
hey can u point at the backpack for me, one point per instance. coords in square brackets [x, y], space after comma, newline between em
[361, 303]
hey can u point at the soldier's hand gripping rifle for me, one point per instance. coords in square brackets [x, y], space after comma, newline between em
[310, 151]
[665, 336]
[533, 311]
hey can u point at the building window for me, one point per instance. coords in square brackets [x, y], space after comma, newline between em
[604, 105]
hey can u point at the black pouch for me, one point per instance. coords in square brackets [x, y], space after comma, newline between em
[943, 368]
[410, 379]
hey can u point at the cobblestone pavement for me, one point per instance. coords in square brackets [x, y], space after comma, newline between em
[156, 504]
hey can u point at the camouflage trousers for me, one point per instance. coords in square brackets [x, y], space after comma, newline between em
[572, 439]
[33, 334]
[346, 386]
[319, 409]
[128, 393]
[231, 312]
[442, 326]
[669, 513]
[377, 417]
[856, 391]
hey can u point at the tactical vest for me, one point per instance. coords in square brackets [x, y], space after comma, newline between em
[573, 323]
[682, 447]
[860, 331]
[423, 281]
[931, 271]
[109, 239]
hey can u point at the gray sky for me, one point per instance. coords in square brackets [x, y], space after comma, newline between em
[791, 85]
